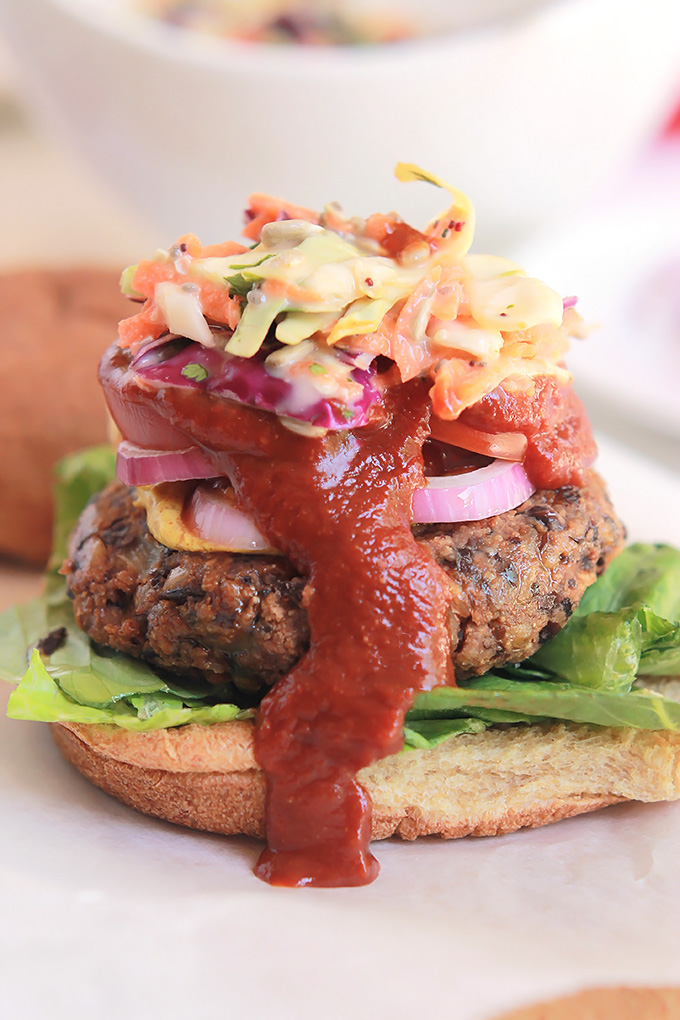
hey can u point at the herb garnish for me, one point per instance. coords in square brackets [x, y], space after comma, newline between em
[195, 371]
[243, 282]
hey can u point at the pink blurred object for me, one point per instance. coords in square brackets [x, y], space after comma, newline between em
[673, 126]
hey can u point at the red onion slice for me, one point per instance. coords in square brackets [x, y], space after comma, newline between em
[141, 423]
[212, 516]
[136, 465]
[500, 486]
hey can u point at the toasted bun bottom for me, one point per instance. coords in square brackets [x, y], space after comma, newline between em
[206, 777]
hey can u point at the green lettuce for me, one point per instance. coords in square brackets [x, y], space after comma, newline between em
[601, 651]
[39, 697]
[626, 625]
[591, 672]
[76, 681]
[648, 575]
[527, 701]
[77, 479]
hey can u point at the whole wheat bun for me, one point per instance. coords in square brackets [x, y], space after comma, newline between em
[206, 777]
[55, 325]
[606, 1004]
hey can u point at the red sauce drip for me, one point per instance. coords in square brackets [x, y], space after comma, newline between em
[340, 508]
[398, 236]
[560, 442]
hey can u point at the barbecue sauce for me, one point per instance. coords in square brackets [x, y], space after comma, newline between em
[560, 442]
[339, 507]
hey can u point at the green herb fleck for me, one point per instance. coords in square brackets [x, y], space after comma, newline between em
[346, 413]
[445, 232]
[508, 307]
[318, 369]
[252, 265]
[195, 371]
[239, 286]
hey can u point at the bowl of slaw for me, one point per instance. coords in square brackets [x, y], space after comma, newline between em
[530, 105]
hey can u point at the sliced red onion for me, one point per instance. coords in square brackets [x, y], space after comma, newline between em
[569, 302]
[247, 381]
[141, 424]
[156, 349]
[136, 465]
[500, 486]
[212, 516]
[148, 350]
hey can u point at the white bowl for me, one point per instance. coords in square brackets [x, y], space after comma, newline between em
[529, 113]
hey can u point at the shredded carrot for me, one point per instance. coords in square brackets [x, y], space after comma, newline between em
[215, 300]
[453, 378]
[450, 292]
[394, 335]
[291, 291]
[334, 220]
[381, 341]
[196, 250]
[143, 326]
[194, 247]
[379, 225]
[411, 353]
[266, 209]
[223, 251]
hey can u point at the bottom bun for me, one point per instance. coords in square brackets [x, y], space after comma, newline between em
[485, 784]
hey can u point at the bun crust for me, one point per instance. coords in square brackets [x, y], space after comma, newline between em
[206, 777]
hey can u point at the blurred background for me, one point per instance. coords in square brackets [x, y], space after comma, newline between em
[124, 123]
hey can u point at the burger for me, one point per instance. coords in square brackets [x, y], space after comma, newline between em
[355, 575]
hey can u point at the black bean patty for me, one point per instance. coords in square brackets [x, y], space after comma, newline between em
[240, 618]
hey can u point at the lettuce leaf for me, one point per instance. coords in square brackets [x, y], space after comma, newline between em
[20, 628]
[601, 651]
[430, 732]
[78, 478]
[643, 574]
[625, 625]
[39, 697]
[661, 645]
[546, 700]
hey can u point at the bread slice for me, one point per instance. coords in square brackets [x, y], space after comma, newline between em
[206, 777]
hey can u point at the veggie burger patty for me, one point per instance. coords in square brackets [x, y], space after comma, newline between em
[240, 618]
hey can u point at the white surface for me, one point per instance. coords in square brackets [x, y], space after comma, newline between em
[108, 914]
[622, 259]
[528, 115]
[53, 211]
